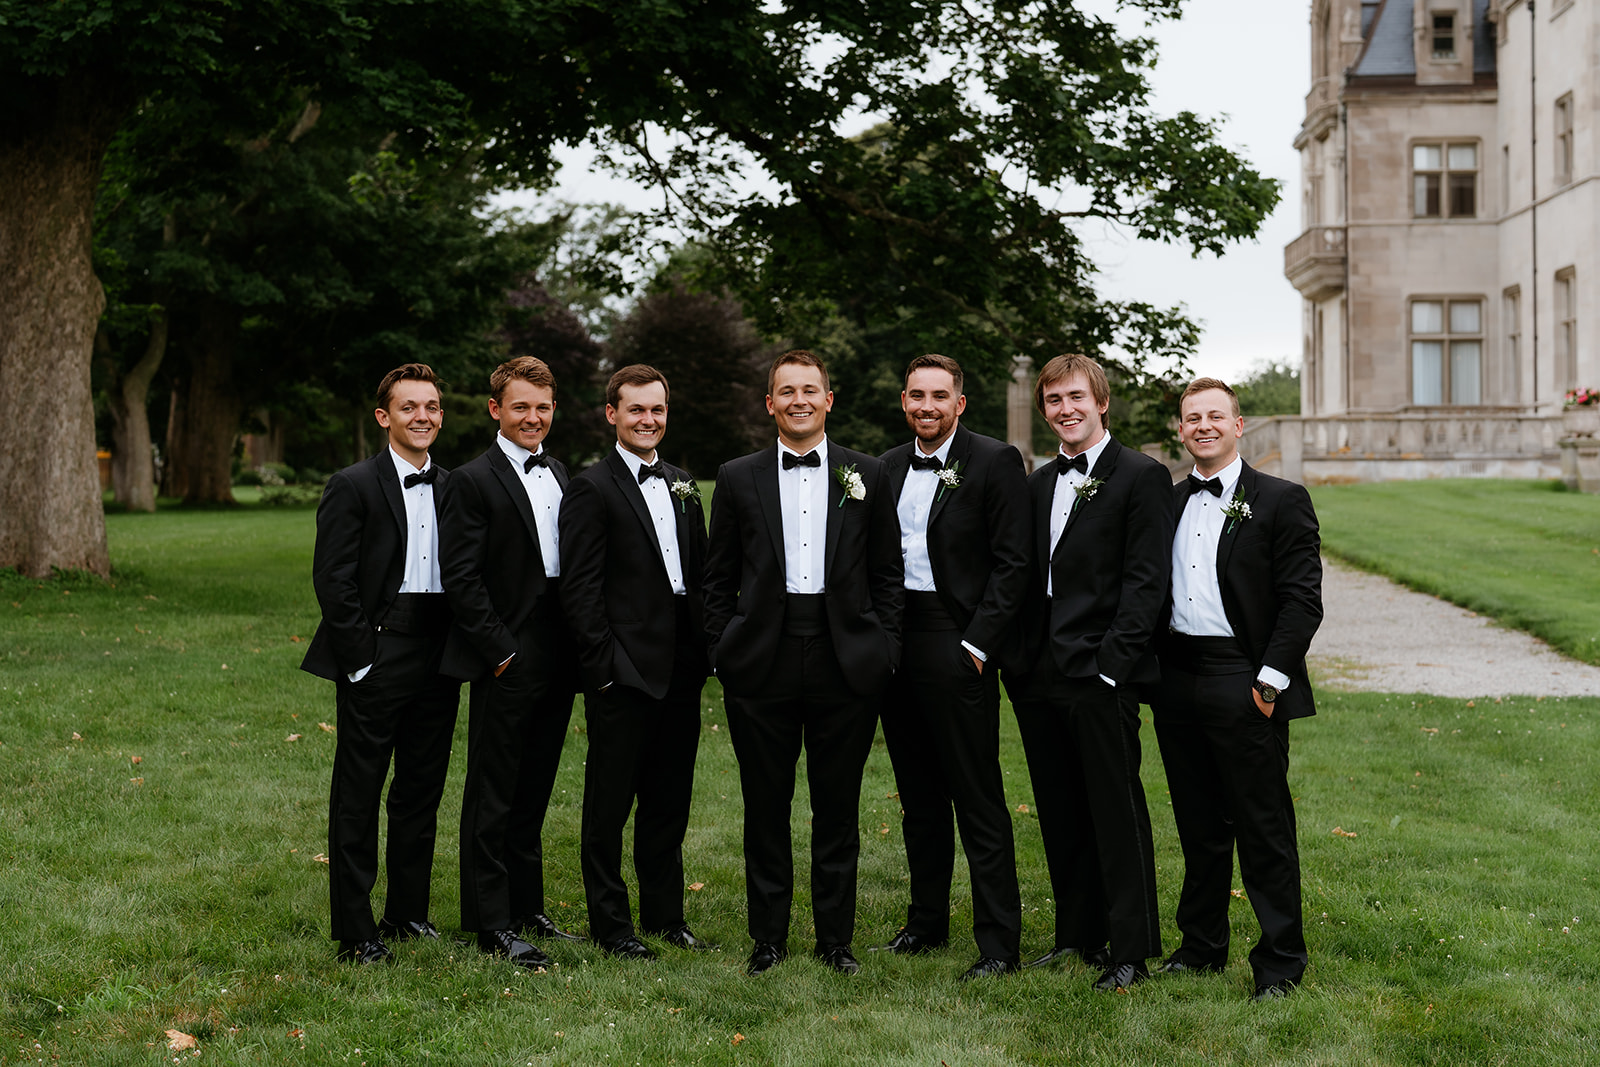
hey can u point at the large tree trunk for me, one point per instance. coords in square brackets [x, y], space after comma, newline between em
[206, 410]
[133, 468]
[50, 302]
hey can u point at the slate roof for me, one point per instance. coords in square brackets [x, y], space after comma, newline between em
[1389, 50]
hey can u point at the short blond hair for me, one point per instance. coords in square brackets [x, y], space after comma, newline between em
[1200, 385]
[1064, 367]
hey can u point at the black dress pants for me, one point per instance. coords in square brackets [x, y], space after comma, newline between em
[806, 702]
[941, 723]
[1081, 737]
[1227, 766]
[516, 726]
[403, 709]
[639, 748]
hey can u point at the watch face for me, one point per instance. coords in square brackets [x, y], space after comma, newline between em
[1268, 693]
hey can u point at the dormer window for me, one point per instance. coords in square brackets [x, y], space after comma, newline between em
[1444, 35]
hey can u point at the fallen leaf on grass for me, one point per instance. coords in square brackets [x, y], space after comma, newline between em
[138, 759]
[292, 737]
[320, 858]
[297, 1032]
[884, 828]
[295, 638]
[325, 728]
[1237, 893]
[1340, 831]
[1023, 808]
[177, 1040]
[1429, 730]
[76, 736]
[226, 667]
[738, 1039]
[137, 781]
[695, 887]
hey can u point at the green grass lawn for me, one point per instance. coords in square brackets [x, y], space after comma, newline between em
[1449, 918]
[1525, 553]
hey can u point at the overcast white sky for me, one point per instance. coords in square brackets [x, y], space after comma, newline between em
[1244, 61]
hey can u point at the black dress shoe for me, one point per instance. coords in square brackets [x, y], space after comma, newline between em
[510, 946]
[628, 948]
[1122, 976]
[1275, 990]
[1174, 965]
[1095, 957]
[840, 958]
[765, 957]
[407, 930]
[683, 937]
[543, 928]
[372, 950]
[906, 943]
[986, 966]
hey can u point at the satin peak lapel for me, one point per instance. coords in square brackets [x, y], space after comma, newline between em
[512, 481]
[837, 505]
[765, 474]
[389, 481]
[955, 460]
[1245, 491]
[628, 484]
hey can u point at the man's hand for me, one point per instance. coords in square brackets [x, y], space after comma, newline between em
[976, 663]
[1261, 705]
[498, 671]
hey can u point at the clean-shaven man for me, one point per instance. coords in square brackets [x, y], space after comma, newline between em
[634, 544]
[803, 589]
[384, 620]
[501, 563]
[1246, 601]
[965, 542]
[1102, 524]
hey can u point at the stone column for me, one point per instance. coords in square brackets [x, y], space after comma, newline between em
[1019, 408]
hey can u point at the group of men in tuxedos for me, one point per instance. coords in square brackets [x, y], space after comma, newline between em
[833, 590]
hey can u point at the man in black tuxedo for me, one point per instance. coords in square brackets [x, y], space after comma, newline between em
[1102, 525]
[803, 593]
[384, 619]
[501, 562]
[1246, 601]
[965, 542]
[635, 545]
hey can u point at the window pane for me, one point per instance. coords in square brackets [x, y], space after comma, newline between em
[1464, 316]
[1463, 195]
[1425, 196]
[1427, 316]
[1464, 357]
[1463, 157]
[1425, 157]
[1427, 372]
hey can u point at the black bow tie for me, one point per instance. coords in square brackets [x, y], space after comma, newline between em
[538, 459]
[1209, 485]
[1079, 463]
[422, 477]
[810, 459]
[651, 470]
[926, 463]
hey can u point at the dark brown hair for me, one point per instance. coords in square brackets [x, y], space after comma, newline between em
[407, 372]
[937, 362]
[634, 374]
[798, 356]
[527, 368]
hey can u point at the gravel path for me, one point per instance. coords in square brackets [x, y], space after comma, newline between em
[1381, 636]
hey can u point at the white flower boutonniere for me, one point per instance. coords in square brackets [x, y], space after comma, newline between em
[854, 487]
[949, 478]
[1237, 511]
[1084, 492]
[685, 491]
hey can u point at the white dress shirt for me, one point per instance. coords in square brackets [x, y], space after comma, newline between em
[915, 508]
[1066, 494]
[544, 496]
[658, 500]
[1197, 608]
[803, 500]
[420, 574]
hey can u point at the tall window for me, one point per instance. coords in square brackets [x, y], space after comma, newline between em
[1444, 181]
[1564, 140]
[1444, 35]
[1446, 351]
[1567, 328]
[1511, 310]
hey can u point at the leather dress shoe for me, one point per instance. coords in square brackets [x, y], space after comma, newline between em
[628, 948]
[372, 950]
[508, 945]
[840, 958]
[683, 937]
[906, 943]
[407, 930]
[986, 966]
[1096, 957]
[765, 957]
[1122, 975]
[1174, 965]
[1275, 990]
[542, 927]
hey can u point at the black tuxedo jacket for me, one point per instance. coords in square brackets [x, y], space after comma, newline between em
[979, 540]
[745, 577]
[1269, 568]
[359, 562]
[1112, 569]
[489, 561]
[614, 586]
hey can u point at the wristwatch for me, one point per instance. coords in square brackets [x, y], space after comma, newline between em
[1269, 694]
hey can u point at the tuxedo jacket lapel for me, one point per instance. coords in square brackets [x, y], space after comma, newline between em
[1104, 468]
[836, 509]
[1245, 491]
[765, 473]
[1044, 492]
[686, 541]
[955, 459]
[512, 481]
[389, 482]
[628, 484]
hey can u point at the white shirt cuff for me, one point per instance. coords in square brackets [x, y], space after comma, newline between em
[362, 673]
[981, 657]
[1108, 681]
[1277, 679]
